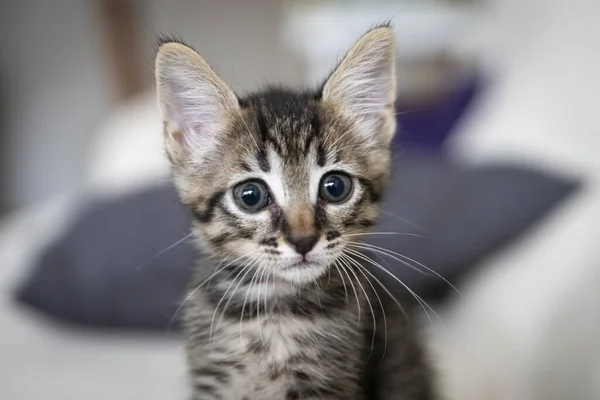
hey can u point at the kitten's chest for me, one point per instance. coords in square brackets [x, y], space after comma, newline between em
[278, 341]
[276, 355]
[286, 342]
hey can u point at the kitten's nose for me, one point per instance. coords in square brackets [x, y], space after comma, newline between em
[303, 244]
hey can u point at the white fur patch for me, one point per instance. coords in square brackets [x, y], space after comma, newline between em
[275, 179]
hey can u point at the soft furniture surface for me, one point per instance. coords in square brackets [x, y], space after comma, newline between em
[117, 266]
[427, 127]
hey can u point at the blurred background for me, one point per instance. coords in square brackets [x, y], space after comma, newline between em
[496, 172]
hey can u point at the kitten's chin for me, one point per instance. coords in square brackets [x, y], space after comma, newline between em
[302, 272]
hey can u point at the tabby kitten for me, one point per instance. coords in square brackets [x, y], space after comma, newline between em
[280, 184]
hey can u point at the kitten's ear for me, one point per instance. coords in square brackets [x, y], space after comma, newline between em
[193, 100]
[364, 84]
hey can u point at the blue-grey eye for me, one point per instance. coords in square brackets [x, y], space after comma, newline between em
[251, 196]
[335, 187]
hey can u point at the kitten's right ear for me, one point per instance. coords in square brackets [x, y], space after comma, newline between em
[193, 100]
[364, 84]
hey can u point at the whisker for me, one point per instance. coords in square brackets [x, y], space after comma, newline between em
[235, 290]
[353, 287]
[394, 299]
[264, 271]
[341, 137]
[385, 325]
[246, 298]
[192, 292]
[394, 255]
[363, 246]
[343, 281]
[412, 110]
[163, 251]
[402, 219]
[383, 233]
[248, 129]
[215, 272]
[419, 299]
[317, 290]
[421, 302]
[225, 294]
[370, 307]
[266, 313]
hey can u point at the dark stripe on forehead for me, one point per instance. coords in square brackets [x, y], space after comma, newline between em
[263, 127]
[321, 155]
[246, 167]
[263, 160]
[265, 135]
[338, 157]
[208, 213]
[309, 139]
[314, 132]
[315, 124]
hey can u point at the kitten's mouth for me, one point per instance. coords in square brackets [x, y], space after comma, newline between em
[301, 272]
[302, 264]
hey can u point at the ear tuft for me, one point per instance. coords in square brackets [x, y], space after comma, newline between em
[166, 39]
[363, 85]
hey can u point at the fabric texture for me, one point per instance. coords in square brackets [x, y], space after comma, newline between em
[123, 263]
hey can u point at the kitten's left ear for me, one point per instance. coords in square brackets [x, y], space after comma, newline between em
[195, 103]
[364, 84]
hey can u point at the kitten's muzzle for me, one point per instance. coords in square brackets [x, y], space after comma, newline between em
[299, 228]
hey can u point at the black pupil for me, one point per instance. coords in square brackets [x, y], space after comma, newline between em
[335, 186]
[251, 195]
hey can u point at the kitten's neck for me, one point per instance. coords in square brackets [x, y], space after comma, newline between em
[246, 292]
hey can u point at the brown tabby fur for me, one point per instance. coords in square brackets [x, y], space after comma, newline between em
[267, 322]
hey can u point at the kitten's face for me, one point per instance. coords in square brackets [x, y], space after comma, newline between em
[280, 181]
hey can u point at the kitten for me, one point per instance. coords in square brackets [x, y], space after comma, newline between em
[281, 186]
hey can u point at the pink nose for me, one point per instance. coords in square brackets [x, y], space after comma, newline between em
[303, 244]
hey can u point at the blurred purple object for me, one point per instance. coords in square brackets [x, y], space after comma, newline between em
[426, 128]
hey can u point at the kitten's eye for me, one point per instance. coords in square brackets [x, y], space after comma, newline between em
[335, 187]
[251, 196]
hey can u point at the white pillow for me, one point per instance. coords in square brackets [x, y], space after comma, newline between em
[127, 153]
[542, 106]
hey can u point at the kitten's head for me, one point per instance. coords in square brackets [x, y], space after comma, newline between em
[280, 180]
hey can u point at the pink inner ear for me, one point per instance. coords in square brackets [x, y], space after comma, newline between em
[178, 136]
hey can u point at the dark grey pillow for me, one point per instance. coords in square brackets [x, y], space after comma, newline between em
[455, 216]
[104, 271]
[108, 270]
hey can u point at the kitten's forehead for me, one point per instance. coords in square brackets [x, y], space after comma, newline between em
[286, 122]
[296, 127]
[289, 140]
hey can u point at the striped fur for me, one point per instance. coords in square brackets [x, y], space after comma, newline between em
[267, 322]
